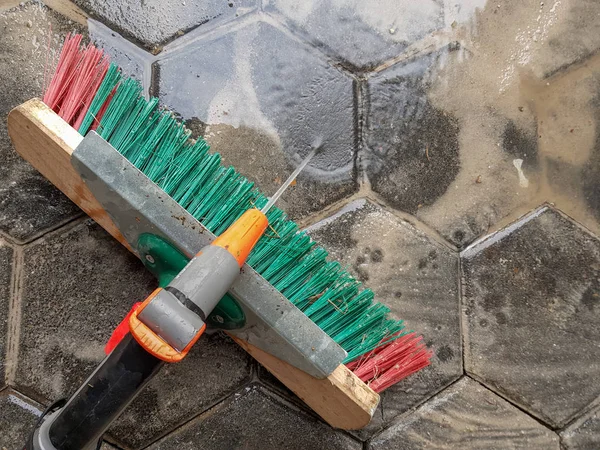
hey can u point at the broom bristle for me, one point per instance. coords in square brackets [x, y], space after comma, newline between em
[78, 75]
[90, 94]
[64, 73]
[393, 361]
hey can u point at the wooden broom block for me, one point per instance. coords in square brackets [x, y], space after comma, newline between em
[45, 140]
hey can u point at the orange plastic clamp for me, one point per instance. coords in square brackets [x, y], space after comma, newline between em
[241, 237]
[153, 343]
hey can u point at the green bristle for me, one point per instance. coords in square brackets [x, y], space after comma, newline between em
[296, 278]
[163, 147]
[335, 298]
[111, 79]
[316, 284]
[290, 251]
[278, 236]
[198, 176]
[126, 129]
[132, 146]
[133, 130]
[343, 322]
[149, 146]
[265, 251]
[156, 143]
[214, 192]
[231, 210]
[119, 109]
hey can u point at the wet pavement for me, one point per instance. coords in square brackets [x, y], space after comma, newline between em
[459, 179]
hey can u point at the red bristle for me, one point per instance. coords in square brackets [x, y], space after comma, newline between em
[360, 362]
[78, 76]
[84, 84]
[400, 371]
[392, 362]
[389, 355]
[101, 70]
[65, 69]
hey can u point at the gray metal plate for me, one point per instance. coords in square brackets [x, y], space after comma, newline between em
[137, 205]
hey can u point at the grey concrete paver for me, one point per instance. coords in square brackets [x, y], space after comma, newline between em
[497, 113]
[532, 308]
[466, 416]
[361, 34]
[574, 38]
[412, 148]
[256, 419]
[213, 369]
[18, 415]
[153, 22]
[584, 433]
[133, 61]
[78, 285]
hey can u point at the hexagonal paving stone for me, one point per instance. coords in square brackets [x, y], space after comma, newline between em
[418, 159]
[466, 416]
[415, 277]
[412, 152]
[29, 204]
[78, 285]
[18, 416]
[6, 262]
[362, 34]
[107, 446]
[153, 22]
[584, 433]
[256, 419]
[266, 99]
[532, 308]
[569, 118]
[132, 60]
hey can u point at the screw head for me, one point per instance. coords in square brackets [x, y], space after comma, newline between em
[218, 318]
[150, 259]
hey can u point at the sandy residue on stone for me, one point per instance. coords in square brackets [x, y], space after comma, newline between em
[495, 78]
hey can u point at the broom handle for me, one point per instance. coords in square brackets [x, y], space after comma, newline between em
[82, 422]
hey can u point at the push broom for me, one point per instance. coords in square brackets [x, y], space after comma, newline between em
[134, 169]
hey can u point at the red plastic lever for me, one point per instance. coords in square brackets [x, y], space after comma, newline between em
[120, 332]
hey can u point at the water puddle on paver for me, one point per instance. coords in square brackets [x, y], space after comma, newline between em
[525, 138]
